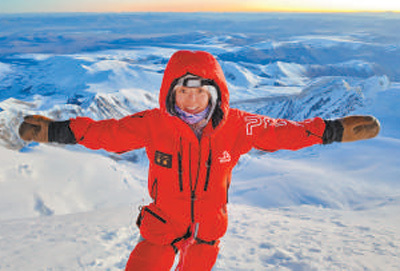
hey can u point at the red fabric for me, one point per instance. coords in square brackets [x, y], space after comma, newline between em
[200, 257]
[150, 257]
[184, 189]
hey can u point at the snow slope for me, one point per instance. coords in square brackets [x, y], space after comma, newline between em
[334, 207]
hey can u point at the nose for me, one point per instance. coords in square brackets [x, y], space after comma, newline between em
[192, 96]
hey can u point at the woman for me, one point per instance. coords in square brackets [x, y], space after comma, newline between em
[193, 141]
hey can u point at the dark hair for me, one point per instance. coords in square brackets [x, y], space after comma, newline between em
[170, 100]
[218, 114]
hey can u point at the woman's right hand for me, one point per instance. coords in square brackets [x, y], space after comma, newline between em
[35, 128]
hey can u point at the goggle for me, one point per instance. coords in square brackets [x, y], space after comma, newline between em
[197, 82]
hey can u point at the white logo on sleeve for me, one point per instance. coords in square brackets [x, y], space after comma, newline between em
[257, 121]
[251, 122]
[225, 158]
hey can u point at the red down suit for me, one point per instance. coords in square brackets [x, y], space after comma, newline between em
[189, 178]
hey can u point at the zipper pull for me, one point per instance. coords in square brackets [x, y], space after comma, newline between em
[193, 196]
[195, 231]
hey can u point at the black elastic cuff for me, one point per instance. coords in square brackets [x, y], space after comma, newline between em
[60, 132]
[333, 131]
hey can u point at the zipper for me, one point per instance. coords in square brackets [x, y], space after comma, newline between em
[227, 189]
[192, 188]
[190, 167]
[180, 172]
[198, 169]
[192, 198]
[154, 190]
[208, 169]
[155, 215]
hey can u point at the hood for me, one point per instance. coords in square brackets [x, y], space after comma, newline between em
[199, 63]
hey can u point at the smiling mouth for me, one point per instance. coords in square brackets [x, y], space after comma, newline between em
[191, 110]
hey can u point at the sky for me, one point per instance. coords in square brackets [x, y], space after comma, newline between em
[22, 6]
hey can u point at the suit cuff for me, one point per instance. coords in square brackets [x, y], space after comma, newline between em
[333, 131]
[60, 132]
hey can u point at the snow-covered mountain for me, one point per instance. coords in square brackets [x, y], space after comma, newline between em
[117, 86]
[330, 207]
[326, 97]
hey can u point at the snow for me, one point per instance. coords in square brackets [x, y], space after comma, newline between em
[309, 238]
[88, 182]
[334, 207]
[4, 69]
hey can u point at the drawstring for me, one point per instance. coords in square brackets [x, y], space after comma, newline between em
[311, 133]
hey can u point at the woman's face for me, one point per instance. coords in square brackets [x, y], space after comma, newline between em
[192, 100]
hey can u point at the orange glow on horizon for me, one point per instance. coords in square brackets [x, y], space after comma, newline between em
[233, 9]
[235, 6]
[223, 6]
[324, 6]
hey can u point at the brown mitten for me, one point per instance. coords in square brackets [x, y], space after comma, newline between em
[35, 128]
[359, 127]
